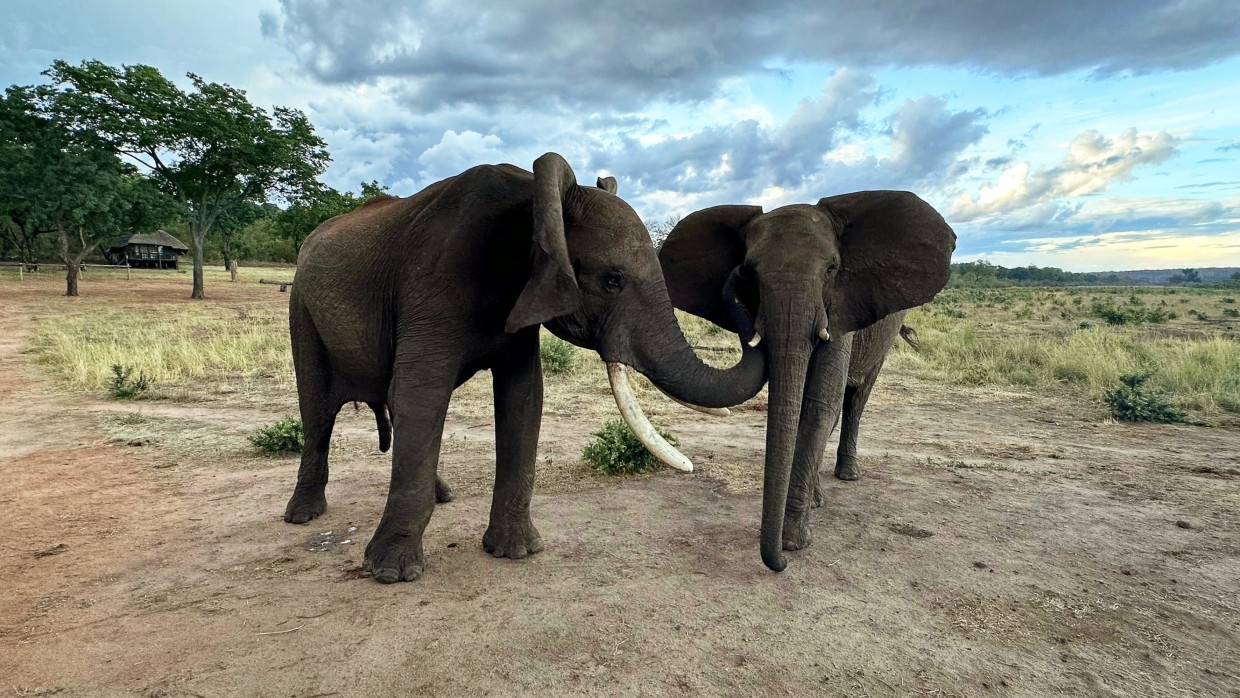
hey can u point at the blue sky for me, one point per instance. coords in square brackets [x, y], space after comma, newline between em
[1089, 136]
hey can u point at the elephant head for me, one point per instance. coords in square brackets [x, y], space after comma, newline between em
[596, 282]
[797, 276]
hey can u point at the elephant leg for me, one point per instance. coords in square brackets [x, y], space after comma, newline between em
[855, 398]
[443, 493]
[820, 409]
[318, 408]
[518, 416]
[419, 396]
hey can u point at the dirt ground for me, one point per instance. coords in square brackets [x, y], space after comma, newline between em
[999, 543]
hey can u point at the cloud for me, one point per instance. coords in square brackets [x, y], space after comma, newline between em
[585, 52]
[1092, 162]
[457, 152]
[808, 156]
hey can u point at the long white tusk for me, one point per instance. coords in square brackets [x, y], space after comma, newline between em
[712, 411]
[756, 338]
[824, 335]
[636, 419]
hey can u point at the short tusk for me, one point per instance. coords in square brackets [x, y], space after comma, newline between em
[712, 411]
[824, 335]
[756, 338]
[636, 419]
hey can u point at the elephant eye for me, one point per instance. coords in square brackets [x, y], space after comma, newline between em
[613, 281]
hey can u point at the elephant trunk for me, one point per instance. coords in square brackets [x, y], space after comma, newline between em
[792, 326]
[664, 356]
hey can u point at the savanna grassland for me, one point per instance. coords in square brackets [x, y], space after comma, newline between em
[1008, 536]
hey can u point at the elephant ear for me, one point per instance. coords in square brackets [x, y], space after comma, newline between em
[895, 254]
[552, 289]
[700, 253]
[608, 184]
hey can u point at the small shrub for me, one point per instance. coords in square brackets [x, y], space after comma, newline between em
[713, 329]
[285, 436]
[1133, 401]
[123, 386]
[1229, 300]
[558, 356]
[1231, 312]
[1085, 325]
[616, 450]
[1199, 315]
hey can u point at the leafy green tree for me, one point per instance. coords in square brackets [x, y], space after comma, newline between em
[69, 184]
[296, 222]
[209, 147]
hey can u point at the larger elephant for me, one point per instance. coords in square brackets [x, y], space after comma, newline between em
[401, 301]
[809, 277]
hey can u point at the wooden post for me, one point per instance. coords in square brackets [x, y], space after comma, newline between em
[128, 275]
[232, 270]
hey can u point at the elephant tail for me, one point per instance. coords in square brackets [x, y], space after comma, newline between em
[385, 426]
[910, 335]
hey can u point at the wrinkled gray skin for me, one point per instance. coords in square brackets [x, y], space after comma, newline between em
[847, 266]
[401, 301]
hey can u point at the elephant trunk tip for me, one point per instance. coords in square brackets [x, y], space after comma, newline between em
[774, 559]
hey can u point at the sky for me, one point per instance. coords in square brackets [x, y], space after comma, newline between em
[1083, 135]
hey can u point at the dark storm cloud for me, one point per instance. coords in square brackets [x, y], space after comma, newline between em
[589, 52]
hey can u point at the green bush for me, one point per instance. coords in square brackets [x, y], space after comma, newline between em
[1133, 401]
[1130, 315]
[558, 356]
[1231, 312]
[616, 450]
[285, 436]
[123, 387]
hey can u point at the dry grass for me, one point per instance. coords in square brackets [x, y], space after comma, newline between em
[1035, 338]
[169, 346]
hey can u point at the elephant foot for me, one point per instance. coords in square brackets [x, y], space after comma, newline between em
[797, 534]
[846, 468]
[393, 557]
[443, 493]
[305, 505]
[512, 540]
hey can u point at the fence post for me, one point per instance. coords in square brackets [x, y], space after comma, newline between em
[128, 275]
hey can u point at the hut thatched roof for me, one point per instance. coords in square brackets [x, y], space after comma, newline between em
[159, 237]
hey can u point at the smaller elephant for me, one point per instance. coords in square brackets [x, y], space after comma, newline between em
[823, 288]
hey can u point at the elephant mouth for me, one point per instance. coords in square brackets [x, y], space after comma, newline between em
[631, 412]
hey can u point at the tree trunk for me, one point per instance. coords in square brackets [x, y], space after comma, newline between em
[226, 247]
[198, 265]
[71, 279]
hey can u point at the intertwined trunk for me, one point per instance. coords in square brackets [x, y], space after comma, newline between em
[73, 262]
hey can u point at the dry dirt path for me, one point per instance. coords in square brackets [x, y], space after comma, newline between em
[998, 544]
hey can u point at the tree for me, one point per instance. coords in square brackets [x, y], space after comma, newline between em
[296, 222]
[210, 148]
[1185, 276]
[659, 230]
[57, 181]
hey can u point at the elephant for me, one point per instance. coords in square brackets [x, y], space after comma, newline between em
[399, 302]
[823, 288]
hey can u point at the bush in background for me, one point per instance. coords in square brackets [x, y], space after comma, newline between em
[123, 386]
[616, 450]
[558, 356]
[285, 436]
[1133, 401]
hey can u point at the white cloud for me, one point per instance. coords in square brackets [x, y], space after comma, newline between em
[1092, 162]
[457, 152]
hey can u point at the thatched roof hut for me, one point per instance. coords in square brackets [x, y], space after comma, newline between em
[158, 249]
